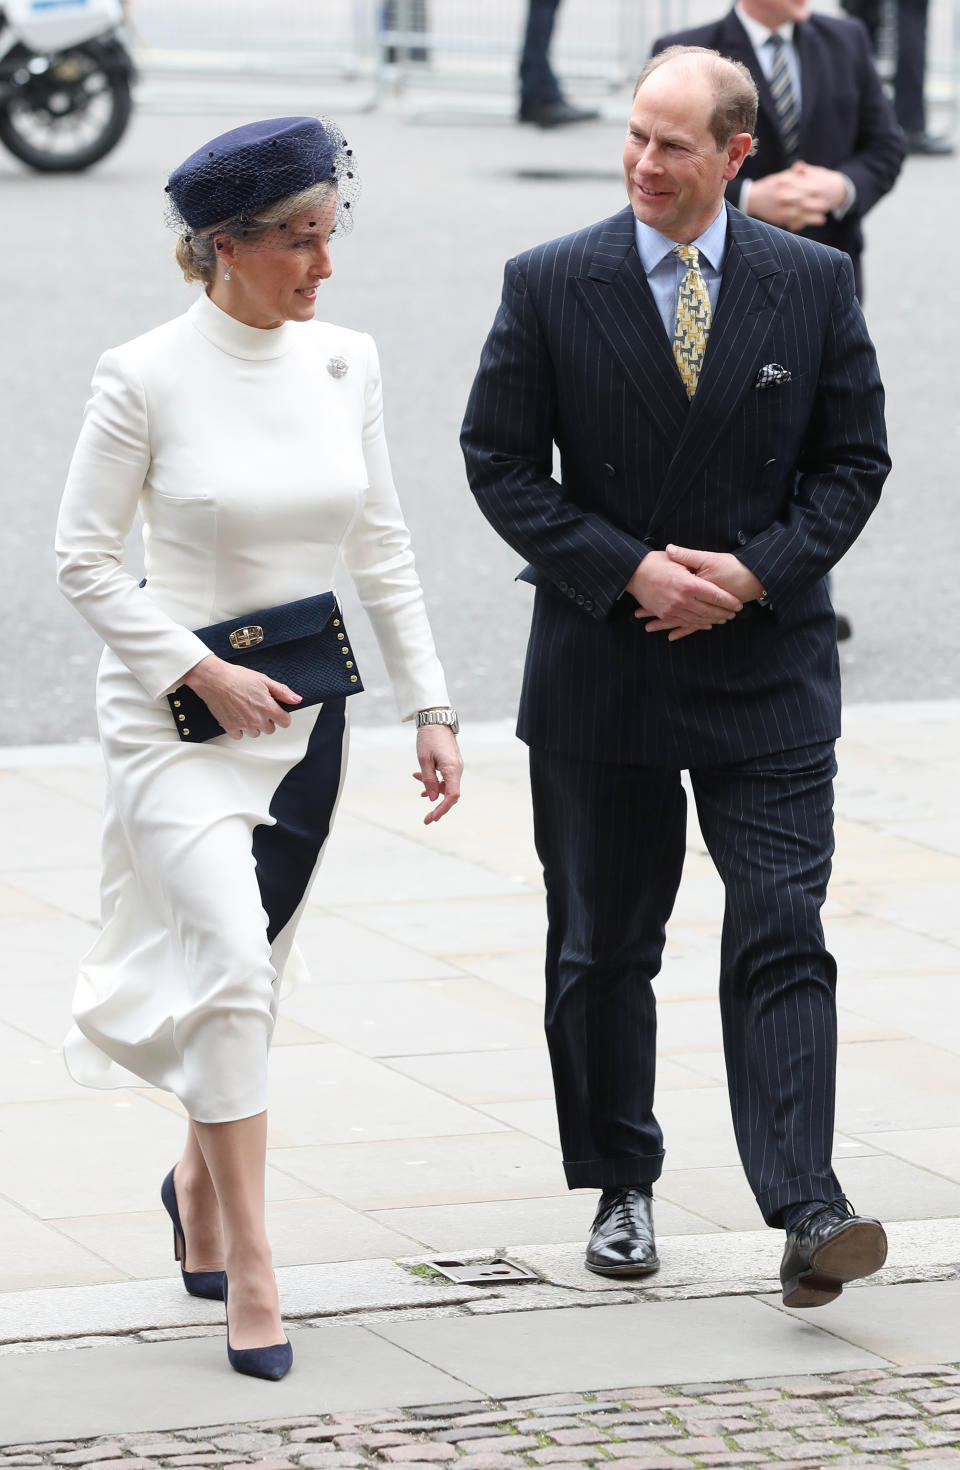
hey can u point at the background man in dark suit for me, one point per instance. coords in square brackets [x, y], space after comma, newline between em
[714, 396]
[828, 143]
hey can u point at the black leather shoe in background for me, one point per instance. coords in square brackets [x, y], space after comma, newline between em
[827, 1248]
[555, 114]
[621, 1241]
[927, 146]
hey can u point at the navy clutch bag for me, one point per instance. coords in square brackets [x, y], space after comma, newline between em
[303, 644]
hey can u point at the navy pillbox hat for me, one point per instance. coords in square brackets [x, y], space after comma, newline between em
[241, 171]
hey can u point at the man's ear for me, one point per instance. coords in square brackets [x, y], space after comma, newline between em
[740, 145]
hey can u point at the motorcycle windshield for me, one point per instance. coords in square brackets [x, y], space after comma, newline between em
[52, 25]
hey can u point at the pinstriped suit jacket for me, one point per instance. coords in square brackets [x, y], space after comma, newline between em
[785, 477]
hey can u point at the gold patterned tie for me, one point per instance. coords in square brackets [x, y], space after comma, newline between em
[694, 315]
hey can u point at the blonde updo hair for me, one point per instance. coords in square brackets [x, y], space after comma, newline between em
[196, 250]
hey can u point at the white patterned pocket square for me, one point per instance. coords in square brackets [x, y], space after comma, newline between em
[772, 375]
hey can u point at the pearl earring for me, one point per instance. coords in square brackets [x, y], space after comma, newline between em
[228, 273]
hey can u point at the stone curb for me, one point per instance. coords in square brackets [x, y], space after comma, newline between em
[731, 1263]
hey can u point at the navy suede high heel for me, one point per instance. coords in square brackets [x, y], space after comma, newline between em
[261, 1362]
[209, 1284]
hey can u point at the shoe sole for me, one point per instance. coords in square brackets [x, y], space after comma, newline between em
[853, 1253]
[623, 1270]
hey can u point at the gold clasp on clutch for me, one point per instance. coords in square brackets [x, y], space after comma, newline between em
[247, 637]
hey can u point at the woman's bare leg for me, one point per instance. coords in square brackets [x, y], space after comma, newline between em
[199, 1208]
[236, 1156]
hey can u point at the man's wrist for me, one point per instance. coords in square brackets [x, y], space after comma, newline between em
[754, 590]
[849, 196]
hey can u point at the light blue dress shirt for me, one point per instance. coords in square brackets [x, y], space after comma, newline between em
[664, 270]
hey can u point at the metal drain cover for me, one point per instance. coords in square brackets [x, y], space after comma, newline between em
[482, 1273]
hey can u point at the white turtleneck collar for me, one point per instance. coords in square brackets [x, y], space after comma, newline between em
[235, 337]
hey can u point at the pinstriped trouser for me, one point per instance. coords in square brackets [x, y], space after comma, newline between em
[611, 839]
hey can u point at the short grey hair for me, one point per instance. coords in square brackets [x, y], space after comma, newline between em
[735, 101]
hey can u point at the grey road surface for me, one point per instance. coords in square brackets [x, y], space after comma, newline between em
[88, 263]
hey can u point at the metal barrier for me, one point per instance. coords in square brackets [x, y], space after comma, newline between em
[201, 54]
[292, 54]
[473, 46]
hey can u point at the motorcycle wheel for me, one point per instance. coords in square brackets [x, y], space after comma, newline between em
[68, 117]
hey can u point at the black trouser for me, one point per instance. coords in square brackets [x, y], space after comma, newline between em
[911, 55]
[612, 839]
[538, 85]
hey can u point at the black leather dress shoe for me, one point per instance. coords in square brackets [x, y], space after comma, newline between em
[555, 114]
[827, 1248]
[621, 1241]
[926, 145]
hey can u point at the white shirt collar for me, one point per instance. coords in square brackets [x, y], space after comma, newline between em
[760, 34]
[654, 247]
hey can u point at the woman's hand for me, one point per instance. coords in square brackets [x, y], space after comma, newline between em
[440, 768]
[244, 702]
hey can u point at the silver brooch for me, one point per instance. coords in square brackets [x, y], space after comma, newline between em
[337, 367]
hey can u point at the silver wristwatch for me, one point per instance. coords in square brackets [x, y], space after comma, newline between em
[439, 717]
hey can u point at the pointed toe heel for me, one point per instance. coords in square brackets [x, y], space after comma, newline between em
[264, 1362]
[272, 1362]
[208, 1284]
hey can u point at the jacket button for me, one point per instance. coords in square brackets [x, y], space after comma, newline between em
[563, 587]
[571, 591]
[741, 539]
[610, 469]
[588, 606]
[580, 599]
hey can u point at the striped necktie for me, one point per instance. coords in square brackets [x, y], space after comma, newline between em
[694, 315]
[784, 98]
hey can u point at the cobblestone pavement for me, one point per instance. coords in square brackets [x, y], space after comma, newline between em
[857, 1418]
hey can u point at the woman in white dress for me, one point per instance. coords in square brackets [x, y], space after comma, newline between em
[250, 439]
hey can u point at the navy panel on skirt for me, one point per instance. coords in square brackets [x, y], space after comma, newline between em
[302, 807]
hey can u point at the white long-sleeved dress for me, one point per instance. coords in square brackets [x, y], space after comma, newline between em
[255, 468]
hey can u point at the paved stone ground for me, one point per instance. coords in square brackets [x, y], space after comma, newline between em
[856, 1418]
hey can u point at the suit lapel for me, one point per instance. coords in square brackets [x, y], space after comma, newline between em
[750, 293]
[614, 291]
[805, 40]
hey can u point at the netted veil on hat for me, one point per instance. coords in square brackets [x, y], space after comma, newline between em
[237, 175]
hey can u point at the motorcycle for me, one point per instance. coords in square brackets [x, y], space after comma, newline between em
[65, 81]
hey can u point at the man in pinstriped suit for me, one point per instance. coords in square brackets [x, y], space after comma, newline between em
[710, 477]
